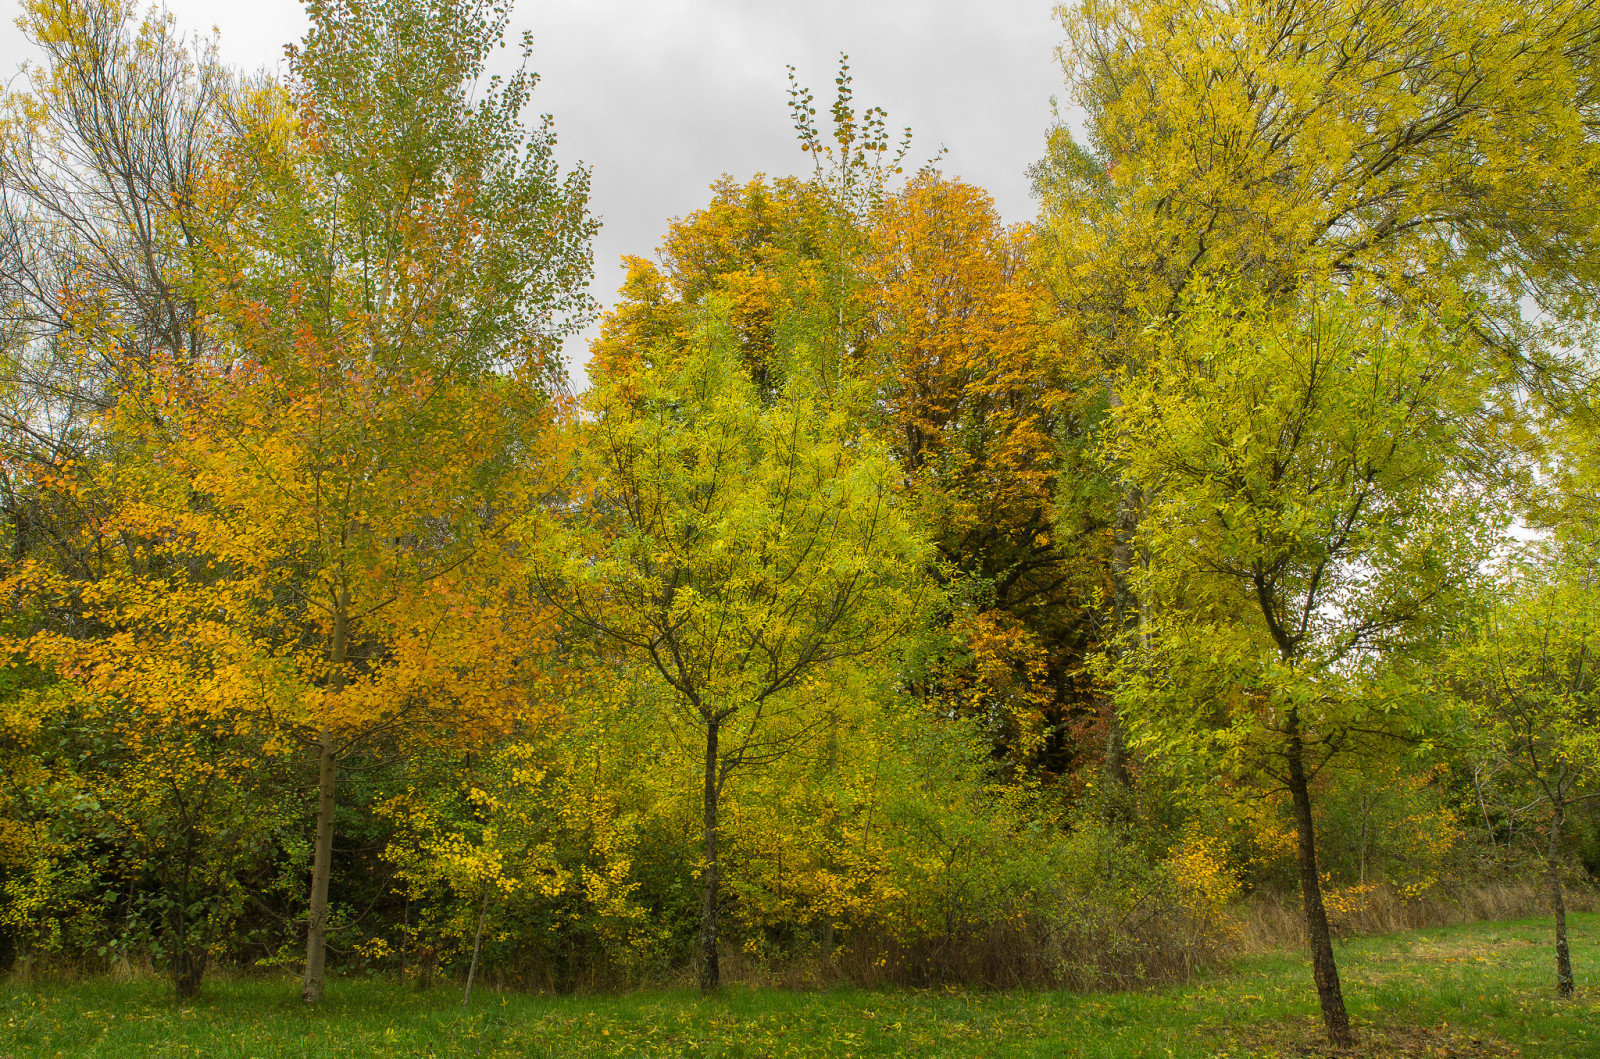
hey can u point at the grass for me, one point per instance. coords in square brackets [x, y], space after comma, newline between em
[1479, 990]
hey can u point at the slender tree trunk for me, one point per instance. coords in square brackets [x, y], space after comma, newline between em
[188, 966]
[321, 864]
[477, 943]
[185, 978]
[710, 973]
[322, 852]
[1323, 967]
[1558, 901]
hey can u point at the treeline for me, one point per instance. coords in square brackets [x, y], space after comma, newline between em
[909, 596]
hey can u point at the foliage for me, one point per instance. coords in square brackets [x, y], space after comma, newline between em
[1435, 155]
[1316, 503]
[1525, 673]
[745, 551]
[912, 599]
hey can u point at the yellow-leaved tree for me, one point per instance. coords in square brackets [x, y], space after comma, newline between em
[1438, 155]
[1321, 486]
[743, 549]
[383, 262]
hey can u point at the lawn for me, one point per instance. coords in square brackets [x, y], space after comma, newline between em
[1482, 990]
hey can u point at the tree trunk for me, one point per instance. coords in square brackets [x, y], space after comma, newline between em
[322, 852]
[1366, 816]
[1326, 972]
[1558, 902]
[477, 942]
[321, 863]
[188, 972]
[833, 767]
[710, 973]
[187, 966]
[188, 959]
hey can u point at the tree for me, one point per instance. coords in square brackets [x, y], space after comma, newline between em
[156, 718]
[100, 166]
[741, 549]
[974, 396]
[383, 270]
[1525, 668]
[1436, 158]
[1319, 489]
[981, 402]
[384, 365]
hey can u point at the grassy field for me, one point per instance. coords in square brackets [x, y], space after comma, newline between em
[1482, 990]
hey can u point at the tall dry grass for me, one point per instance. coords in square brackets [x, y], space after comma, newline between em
[1273, 920]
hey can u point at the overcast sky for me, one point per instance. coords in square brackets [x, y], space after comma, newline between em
[660, 97]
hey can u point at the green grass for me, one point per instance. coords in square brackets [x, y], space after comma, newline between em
[1467, 991]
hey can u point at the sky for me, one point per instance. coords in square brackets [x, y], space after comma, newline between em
[661, 97]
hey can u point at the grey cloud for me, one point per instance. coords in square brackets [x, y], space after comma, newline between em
[661, 97]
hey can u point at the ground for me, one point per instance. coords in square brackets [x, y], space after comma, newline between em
[1482, 990]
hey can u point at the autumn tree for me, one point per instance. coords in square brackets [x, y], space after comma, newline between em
[1319, 488]
[385, 350]
[100, 165]
[100, 162]
[1437, 157]
[1525, 668]
[742, 548]
[382, 266]
[984, 405]
[923, 296]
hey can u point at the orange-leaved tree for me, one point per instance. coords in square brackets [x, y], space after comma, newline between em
[974, 392]
[981, 404]
[399, 265]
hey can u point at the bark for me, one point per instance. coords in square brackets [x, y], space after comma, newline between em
[1125, 621]
[1558, 902]
[189, 968]
[828, 943]
[322, 853]
[188, 960]
[188, 957]
[321, 863]
[477, 943]
[1325, 971]
[710, 973]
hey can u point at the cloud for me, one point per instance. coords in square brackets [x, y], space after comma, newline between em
[660, 97]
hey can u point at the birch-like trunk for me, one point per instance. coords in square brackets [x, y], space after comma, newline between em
[322, 853]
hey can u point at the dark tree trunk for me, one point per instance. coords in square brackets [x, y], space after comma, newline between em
[188, 957]
[710, 973]
[1326, 972]
[1558, 902]
[188, 970]
[828, 943]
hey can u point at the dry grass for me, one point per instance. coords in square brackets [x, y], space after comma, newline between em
[1269, 921]
[1086, 951]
